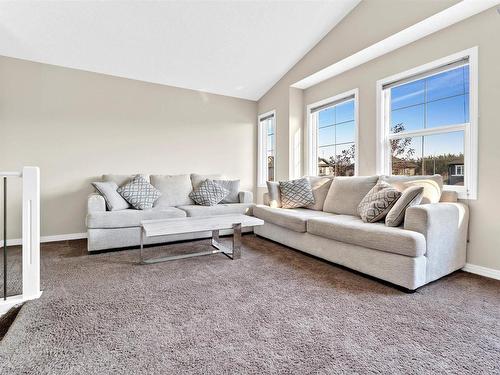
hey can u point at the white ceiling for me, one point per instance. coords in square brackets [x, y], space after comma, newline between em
[231, 48]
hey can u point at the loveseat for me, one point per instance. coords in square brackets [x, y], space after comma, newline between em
[118, 229]
[430, 243]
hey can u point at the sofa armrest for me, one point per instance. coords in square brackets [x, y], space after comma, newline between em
[96, 203]
[444, 226]
[245, 196]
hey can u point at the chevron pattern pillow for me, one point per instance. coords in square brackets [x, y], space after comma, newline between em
[378, 202]
[208, 193]
[139, 193]
[296, 193]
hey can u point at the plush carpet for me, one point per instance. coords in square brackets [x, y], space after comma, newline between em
[274, 311]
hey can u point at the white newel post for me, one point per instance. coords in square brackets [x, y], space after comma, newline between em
[31, 237]
[31, 233]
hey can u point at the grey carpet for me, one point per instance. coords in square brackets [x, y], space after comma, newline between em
[274, 311]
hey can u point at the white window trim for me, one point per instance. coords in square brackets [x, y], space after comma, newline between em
[311, 136]
[469, 190]
[262, 149]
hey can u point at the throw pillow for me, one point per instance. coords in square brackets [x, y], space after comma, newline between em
[273, 190]
[296, 193]
[139, 193]
[320, 187]
[208, 193]
[108, 190]
[410, 197]
[233, 188]
[378, 202]
[197, 179]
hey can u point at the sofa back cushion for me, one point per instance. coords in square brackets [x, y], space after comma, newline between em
[197, 179]
[346, 193]
[233, 188]
[122, 179]
[174, 189]
[433, 185]
[320, 187]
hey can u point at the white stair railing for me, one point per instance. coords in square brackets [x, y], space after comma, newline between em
[31, 237]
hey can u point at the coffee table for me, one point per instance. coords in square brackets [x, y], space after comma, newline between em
[165, 227]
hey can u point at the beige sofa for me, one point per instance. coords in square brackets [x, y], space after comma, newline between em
[120, 229]
[430, 244]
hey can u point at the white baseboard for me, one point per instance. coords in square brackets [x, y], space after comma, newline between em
[483, 271]
[57, 237]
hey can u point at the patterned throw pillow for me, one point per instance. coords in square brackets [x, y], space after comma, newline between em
[296, 193]
[208, 193]
[139, 193]
[378, 202]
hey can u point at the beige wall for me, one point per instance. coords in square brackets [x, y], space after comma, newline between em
[77, 125]
[481, 30]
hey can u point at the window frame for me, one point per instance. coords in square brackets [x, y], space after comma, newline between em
[470, 129]
[457, 167]
[311, 134]
[262, 170]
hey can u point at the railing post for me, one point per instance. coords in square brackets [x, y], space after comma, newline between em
[31, 233]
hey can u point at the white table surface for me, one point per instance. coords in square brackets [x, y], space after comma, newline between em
[165, 227]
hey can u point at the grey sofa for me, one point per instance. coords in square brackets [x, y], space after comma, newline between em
[118, 229]
[430, 244]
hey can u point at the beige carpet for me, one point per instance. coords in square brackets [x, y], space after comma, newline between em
[274, 311]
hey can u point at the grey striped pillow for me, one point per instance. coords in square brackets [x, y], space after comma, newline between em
[410, 197]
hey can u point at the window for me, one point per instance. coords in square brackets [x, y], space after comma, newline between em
[428, 122]
[332, 136]
[459, 170]
[267, 148]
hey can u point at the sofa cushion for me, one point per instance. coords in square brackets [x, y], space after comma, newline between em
[233, 187]
[291, 218]
[410, 197]
[352, 230]
[433, 185]
[320, 187]
[174, 189]
[296, 193]
[108, 190]
[122, 179]
[218, 209]
[197, 179]
[346, 193]
[139, 193]
[130, 217]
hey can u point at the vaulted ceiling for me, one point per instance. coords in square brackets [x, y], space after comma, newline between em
[231, 48]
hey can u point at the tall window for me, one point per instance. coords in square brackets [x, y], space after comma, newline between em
[267, 147]
[427, 123]
[333, 136]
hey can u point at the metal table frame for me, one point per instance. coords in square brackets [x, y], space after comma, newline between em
[234, 253]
